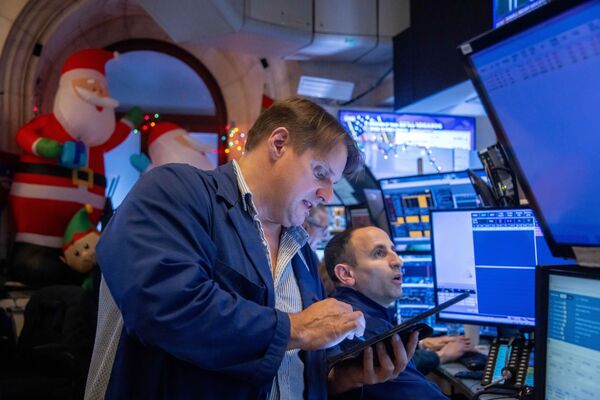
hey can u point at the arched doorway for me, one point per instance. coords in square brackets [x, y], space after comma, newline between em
[169, 84]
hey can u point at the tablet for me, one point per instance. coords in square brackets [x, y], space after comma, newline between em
[404, 330]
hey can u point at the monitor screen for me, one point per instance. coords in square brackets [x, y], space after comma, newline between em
[539, 80]
[568, 334]
[508, 10]
[445, 131]
[374, 199]
[408, 199]
[491, 253]
[417, 289]
[405, 144]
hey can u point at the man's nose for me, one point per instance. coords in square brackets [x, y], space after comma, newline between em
[325, 193]
[395, 259]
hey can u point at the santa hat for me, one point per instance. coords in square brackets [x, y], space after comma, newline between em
[88, 62]
[79, 226]
[164, 130]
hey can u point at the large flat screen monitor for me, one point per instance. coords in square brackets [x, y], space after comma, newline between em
[539, 80]
[567, 340]
[427, 130]
[408, 199]
[491, 253]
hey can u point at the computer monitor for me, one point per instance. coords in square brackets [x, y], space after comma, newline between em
[374, 199]
[506, 11]
[567, 339]
[491, 253]
[538, 78]
[408, 199]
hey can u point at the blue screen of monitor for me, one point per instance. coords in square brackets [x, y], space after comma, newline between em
[572, 345]
[492, 254]
[544, 87]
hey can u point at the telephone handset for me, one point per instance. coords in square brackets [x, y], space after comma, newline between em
[508, 363]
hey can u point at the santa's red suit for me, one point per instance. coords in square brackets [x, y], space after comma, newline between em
[62, 165]
[45, 195]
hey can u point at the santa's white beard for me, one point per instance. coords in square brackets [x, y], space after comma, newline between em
[81, 119]
[167, 150]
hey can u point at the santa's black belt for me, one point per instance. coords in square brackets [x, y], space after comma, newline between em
[79, 176]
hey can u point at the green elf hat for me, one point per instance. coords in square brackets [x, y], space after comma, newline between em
[79, 226]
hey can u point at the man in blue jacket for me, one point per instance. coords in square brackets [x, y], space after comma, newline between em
[367, 273]
[209, 289]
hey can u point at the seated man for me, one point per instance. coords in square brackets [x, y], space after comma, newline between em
[367, 273]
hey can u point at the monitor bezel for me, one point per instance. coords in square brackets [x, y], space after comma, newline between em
[484, 41]
[478, 171]
[433, 264]
[542, 281]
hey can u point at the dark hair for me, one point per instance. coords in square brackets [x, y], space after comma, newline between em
[337, 251]
[310, 127]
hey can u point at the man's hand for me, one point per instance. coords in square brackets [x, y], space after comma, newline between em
[436, 343]
[353, 374]
[452, 351]
[324, 324]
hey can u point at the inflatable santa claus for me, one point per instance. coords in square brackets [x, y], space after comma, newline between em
[62, 166]
[169, 143]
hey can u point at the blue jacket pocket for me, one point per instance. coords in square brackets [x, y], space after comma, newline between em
[234, 281]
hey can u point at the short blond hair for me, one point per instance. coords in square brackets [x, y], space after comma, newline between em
[310, 127]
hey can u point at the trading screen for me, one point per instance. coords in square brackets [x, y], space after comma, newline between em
[408, 200]
[491, 254]
[573, 348]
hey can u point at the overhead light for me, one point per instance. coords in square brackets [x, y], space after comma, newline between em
[323, 88]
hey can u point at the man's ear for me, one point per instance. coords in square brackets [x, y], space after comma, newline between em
[345, 274]
[278, 141]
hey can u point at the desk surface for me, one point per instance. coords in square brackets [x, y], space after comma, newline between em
[468, 387]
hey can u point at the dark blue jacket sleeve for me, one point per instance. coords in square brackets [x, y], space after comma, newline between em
[157, 257]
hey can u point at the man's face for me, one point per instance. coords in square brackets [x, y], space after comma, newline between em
[301, 182]
[81, 255]
[378, 270]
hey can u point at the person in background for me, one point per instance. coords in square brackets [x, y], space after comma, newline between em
[316, 225]
[367, 274]
[209, 288]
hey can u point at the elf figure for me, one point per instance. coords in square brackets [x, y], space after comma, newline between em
[62, 166]
[169, 143]
[80, 240]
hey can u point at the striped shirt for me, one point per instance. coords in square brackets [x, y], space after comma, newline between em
[289, 382]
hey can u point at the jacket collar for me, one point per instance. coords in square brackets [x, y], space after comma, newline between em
[227, 187]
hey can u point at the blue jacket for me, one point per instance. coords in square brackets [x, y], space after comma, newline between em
[186, 267]
[410, 384]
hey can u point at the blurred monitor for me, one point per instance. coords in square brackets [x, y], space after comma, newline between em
[408, 199]
[568, 333]
[491, 253]
[539, 78]
[374, 200]
[358, 217]
[417, 289]
[509, 10]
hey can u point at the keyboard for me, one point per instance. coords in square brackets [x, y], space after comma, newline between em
[473, 360]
